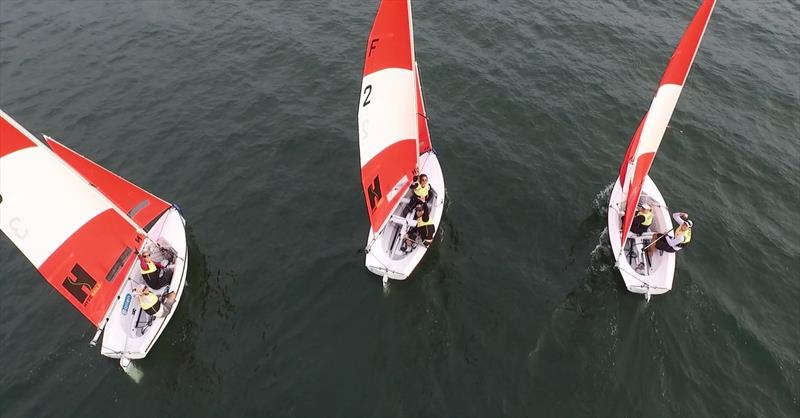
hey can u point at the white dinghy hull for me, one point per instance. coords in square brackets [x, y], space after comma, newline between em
[384, 255]
[656, 276]
[130, 333]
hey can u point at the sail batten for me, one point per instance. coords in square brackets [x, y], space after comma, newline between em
[645, 142]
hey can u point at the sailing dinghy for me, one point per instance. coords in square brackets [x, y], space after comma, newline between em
[641, 273]
[82, 226]
[393, 141]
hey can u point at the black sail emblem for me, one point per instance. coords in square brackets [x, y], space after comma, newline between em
[374, 193]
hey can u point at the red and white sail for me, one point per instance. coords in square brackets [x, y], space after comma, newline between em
[74, 236]
[644, 144]
[141, 206]
[387, 112]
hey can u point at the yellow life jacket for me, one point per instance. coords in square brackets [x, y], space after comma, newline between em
[422, 191]
[147, 301]
[151, 267]
[648, 217]
[421, 223]
[687, 236]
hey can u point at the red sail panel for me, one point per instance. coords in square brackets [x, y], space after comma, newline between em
[381, 197]
[11, 138]
[390, 44]
[141, 206]
[683, 57]
[422, 117]
[90, 266]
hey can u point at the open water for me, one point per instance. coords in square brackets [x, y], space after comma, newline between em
[244, 113]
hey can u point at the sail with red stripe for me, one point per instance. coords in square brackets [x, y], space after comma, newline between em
[141, 206]
[76, 238]
[646, 140]
[387, 113]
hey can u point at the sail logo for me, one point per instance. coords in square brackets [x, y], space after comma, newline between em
[374, 193]
[126, 304]
[78, 284]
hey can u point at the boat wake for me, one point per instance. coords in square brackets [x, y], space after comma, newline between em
[600, 202]
[134, 372]
[591, 224]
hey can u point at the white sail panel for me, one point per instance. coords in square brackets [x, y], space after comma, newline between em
[389, 115]
[44, 202]
[658, 117]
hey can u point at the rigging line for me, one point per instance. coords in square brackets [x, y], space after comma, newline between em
[385, 267]
[648, 285]
[163, 225]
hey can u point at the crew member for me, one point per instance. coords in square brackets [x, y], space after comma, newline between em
[424, 229]
[155, 274]
[642, 220]
[421, 191]
[682, 237]
[152, 304]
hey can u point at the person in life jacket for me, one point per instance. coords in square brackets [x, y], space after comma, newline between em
[155, 274]
[152, 304]
[643, 219]
[681, 238]
[421, 191]
[424, 229]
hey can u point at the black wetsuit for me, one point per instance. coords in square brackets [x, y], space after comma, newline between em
[637, 227]
[424, 232]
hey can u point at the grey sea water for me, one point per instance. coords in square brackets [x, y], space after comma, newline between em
[244, 113]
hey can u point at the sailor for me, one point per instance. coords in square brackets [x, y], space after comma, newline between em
[152, 304]
[424, 228]
[642, 220]
[422, 192]
[681, 238]
[155, 274]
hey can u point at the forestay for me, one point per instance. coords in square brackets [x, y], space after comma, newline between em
[387, 115]
[645, 142]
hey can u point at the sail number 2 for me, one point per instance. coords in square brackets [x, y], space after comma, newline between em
[367, 92]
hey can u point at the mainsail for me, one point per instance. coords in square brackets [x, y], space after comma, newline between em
[387, 112]
[79, 242]
[645, 142]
